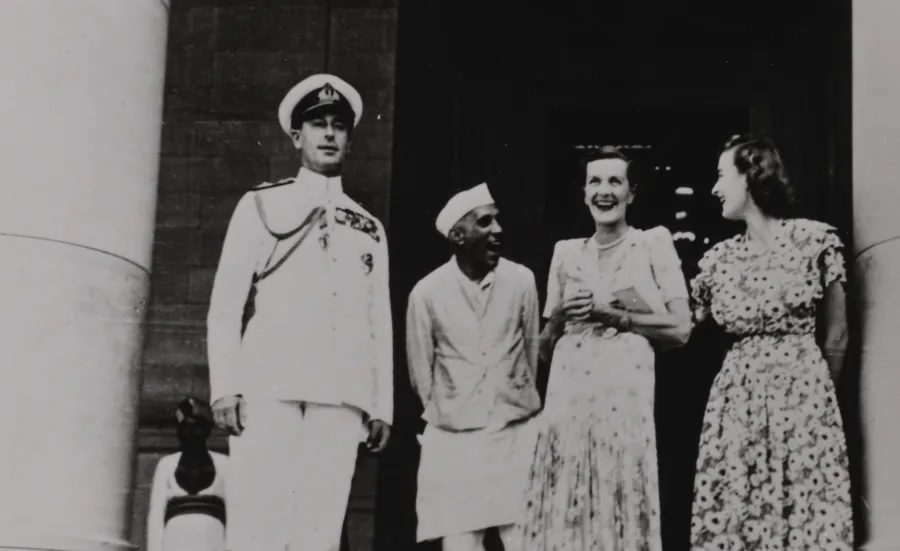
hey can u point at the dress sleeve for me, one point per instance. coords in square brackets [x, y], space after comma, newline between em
[667, 265]
[554, 281]
[831, 258]
[701, 285]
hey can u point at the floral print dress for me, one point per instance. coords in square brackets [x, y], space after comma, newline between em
[772, 470]
[593, 480]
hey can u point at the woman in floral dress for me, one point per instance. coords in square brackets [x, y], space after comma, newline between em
[772, 469]
[593, 480]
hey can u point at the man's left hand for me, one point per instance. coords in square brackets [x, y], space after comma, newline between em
[379, 434]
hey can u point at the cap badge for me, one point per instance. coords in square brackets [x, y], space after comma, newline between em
[328, 94]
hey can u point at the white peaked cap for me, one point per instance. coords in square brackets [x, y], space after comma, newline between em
[312, 84]
[460, 205]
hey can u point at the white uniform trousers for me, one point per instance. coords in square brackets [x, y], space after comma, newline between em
[289, 476]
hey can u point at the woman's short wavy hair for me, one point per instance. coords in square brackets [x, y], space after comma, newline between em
[757, 158]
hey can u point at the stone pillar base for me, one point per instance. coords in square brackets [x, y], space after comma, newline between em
[70, 332]
[39, 542]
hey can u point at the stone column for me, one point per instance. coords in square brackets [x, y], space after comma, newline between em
[80, 117]
[876, 198]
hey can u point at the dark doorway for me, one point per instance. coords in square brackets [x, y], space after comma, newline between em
[512, 96]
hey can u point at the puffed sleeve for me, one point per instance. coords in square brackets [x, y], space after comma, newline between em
[701, 285]
[666, 265]
[831, 258]
[554, 281]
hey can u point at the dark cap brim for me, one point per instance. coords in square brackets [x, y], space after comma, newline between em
[339, 108]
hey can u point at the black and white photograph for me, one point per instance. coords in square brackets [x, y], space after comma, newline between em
[424, 275]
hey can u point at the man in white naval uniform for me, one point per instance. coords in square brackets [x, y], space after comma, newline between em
[304, 374]
[472, 345]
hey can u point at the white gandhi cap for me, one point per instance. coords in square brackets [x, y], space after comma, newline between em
[460, 205]
[316, 92]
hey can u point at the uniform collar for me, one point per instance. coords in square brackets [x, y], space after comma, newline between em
[314, 181]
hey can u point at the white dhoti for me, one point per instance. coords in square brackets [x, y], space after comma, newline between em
[289, 476]
[470, 481]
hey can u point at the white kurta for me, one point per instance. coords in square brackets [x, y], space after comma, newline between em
[473, 353]
[315, 362]
[472, 350]
[186, 532]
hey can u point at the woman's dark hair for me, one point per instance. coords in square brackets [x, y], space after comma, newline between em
[757, 158]
[611, 152]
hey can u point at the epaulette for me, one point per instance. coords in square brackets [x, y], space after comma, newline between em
[270, 185]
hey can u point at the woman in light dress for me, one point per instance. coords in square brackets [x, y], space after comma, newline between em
[772, 471]
[593, 480]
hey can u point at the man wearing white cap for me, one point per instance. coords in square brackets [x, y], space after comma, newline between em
[472, 336]
[300, 337]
